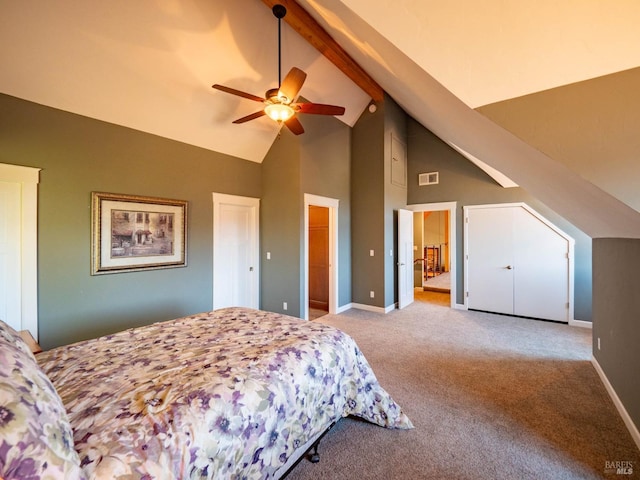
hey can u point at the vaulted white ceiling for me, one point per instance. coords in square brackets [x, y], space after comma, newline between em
[149, 65]
[485, 52]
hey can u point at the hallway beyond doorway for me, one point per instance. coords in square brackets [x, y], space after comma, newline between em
[435, 298]
[439, 283]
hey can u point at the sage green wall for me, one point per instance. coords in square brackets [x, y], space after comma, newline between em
[590, 126]
[463, 182]
[281, 226]
[616, 317]
[79, 155]
[367, 209]
[316, 163]
[395, 197]
[326, 171]
[375, 204]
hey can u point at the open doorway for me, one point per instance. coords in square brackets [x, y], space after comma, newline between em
[320, 256]
[318, 261]
[435, 253]
[436, 264]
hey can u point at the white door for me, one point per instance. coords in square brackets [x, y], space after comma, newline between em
[517, 263]
[235, 251]
[10, 255]
[405, 258]
[19, 261]
[490, 259]
[542, 269]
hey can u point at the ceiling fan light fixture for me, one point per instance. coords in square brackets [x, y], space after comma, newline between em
[280, 103]
[279, 112]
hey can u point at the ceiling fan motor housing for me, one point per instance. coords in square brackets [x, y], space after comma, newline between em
[273, 95]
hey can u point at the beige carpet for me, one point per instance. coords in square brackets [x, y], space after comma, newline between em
[491, 397]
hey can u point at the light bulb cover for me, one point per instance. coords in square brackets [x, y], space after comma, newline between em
[279, 112]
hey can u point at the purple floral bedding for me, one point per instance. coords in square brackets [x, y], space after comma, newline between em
[36, 439]
[226, 394]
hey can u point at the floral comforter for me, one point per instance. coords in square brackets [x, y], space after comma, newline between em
[226, 394]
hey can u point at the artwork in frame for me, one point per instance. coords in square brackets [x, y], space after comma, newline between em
[132, 233]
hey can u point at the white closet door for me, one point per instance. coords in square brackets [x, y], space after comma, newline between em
[542, 269]
[10, 255]
[517, 264]
[490, 259]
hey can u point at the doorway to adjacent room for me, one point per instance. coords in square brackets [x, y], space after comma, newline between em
[318, 261]
[434, 255]
[320, 256]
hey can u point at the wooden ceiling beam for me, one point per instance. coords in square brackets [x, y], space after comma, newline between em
[312, 32]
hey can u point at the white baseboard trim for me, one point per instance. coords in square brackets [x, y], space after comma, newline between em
[633, 429]
[344, 308]
[368, 308]
[580, 323]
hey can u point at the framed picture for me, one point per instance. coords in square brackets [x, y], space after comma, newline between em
[130, 233]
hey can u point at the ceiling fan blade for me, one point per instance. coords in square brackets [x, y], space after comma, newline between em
[320, 109]
[294, 125]
[253, 116]
[292, 83]
[239, 93]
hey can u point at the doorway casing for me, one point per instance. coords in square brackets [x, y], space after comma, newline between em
[244, 288]
[332, 204]
[453, 250]
[28, 179]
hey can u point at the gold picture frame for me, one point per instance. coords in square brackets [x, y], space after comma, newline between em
[132, 233]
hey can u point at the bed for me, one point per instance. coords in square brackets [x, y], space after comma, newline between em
[233, 393]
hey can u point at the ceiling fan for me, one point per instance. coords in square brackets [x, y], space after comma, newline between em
[280, 103]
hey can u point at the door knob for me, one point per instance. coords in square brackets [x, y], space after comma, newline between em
[508, 267]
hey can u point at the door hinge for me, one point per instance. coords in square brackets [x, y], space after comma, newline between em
[567, 306]
[467, 294]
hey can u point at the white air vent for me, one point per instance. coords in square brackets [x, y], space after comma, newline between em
[430, 178]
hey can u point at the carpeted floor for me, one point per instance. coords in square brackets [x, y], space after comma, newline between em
[491, 397]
